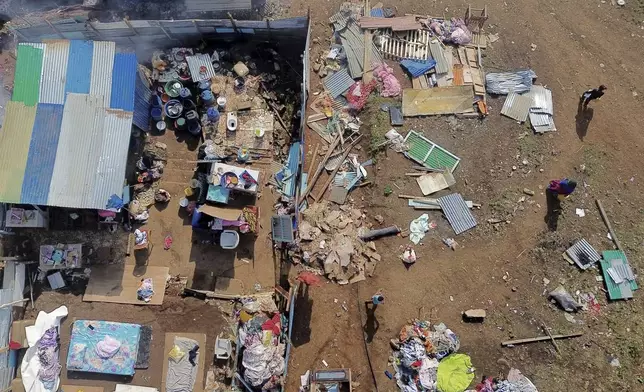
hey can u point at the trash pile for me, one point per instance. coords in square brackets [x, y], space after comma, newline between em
[514, 382]
[330, 243]
[262, 335]
[424, 359]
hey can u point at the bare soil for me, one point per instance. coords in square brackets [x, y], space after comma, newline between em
[501, 267]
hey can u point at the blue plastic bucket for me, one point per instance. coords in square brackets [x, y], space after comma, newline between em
[213, 114]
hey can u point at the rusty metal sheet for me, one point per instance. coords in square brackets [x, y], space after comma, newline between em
[438, 100]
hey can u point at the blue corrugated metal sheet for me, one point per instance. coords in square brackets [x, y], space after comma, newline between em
[292, 163]
[142, 102]
[123, 80]
[457, 213]
[338, 83]
[42, 153]
[79, 67]
[377, 13]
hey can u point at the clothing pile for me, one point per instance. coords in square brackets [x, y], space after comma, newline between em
[145, 290]
[260, 334]
[454, 31]
[515, 382]
[50, 366]
[424, 359]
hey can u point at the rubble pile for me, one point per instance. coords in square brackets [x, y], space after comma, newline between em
[329, 242]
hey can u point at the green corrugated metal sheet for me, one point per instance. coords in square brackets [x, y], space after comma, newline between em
[613, 290]
[15, 139]
[27, 76]
[426, 152]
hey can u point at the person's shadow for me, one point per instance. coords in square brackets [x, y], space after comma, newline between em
[372, 324]
[554, 210]
[582, 120]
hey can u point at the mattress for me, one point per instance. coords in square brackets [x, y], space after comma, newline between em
[103, 347]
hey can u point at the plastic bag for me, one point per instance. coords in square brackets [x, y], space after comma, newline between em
[176, 354]
[564, 299]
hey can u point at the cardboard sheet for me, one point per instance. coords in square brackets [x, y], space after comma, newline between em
[118, 284]
[434, 182]
[228, 213]
[169, 342]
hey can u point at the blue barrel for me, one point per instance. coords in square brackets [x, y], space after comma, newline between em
[204, 85]
[156, 113]
[207, 97]
[185, 93]
[213, 114]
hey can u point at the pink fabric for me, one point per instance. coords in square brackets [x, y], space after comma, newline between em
[107, 347]
[390, 85]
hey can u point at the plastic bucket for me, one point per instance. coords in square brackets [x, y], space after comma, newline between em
[156, 113]
[207, 97]
[221, 102]
[161, 125]
[183, 202]
[213, 114]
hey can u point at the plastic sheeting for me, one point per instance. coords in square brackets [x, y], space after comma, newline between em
[502, 83]
[31, 363]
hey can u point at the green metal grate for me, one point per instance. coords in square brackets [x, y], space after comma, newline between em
[427, 153]
[614, 291]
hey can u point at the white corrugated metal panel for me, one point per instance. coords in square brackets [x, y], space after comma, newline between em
[79, 151]
[196, 62]
[517, 106]
[37, 45]
[542, 99]
[102, 64]
[539, 119]
[54, 72]
[14, 279]
[117, 128]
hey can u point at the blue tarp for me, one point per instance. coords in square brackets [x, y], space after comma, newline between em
[418, 67]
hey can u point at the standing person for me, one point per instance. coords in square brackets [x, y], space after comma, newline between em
[562, 188]
[591, 95]
[371, 326]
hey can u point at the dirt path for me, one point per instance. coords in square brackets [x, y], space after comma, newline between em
[502, 269]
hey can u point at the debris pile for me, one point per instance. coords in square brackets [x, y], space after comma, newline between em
[330, 243]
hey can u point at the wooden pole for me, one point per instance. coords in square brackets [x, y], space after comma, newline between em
[608, 225]
[554, 342]
[332, 175]
[313, 180]
[315, 154]
[539, 339]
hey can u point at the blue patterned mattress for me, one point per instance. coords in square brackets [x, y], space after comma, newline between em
[103, 347]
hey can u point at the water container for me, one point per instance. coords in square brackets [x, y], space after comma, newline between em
[185, 93]
[207, 97]
[156, 113]
[194, 128]
[180, 123]
[204, 85]
[213, 114]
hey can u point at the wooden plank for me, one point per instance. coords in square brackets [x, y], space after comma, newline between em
[608, 225]
[367, 75]
[316, 117]
[332, 175]
[423, 82]
[458, 75]
[169, 343]
[539, 339]
[415, 83]
[312, 181]
[118, 284]
[438, 100]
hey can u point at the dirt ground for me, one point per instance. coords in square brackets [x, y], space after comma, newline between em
[502, 267]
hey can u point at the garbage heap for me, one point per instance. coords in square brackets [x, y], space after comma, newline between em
[262, 335]
[329, 243]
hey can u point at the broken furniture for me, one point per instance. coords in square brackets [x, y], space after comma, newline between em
[226, 178]
[18, 217]
[475, 18]
[61, 256]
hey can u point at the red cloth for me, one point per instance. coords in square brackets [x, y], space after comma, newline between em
[309, 278]
[274, 325]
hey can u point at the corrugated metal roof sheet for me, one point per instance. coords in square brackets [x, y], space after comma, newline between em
[123, 79]
[377, 13]
[110, 174]
[196, 62]
[74, 174]
[15, 138]
[338, 83]
[142, 102]
[539, 119]
[457, 212]
[583, 254]
[438, 54]
[79, 67]
[503, 83]
[353, 42]
[517, 106]
[42, 153]
[542, 99]
[54, 72]
[192, 6]
[101, 77]
[28, 72]
[339, 20]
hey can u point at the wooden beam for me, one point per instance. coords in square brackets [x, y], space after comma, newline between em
[313, 180]
[332, 175]
[539, 339]
[608, 225]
